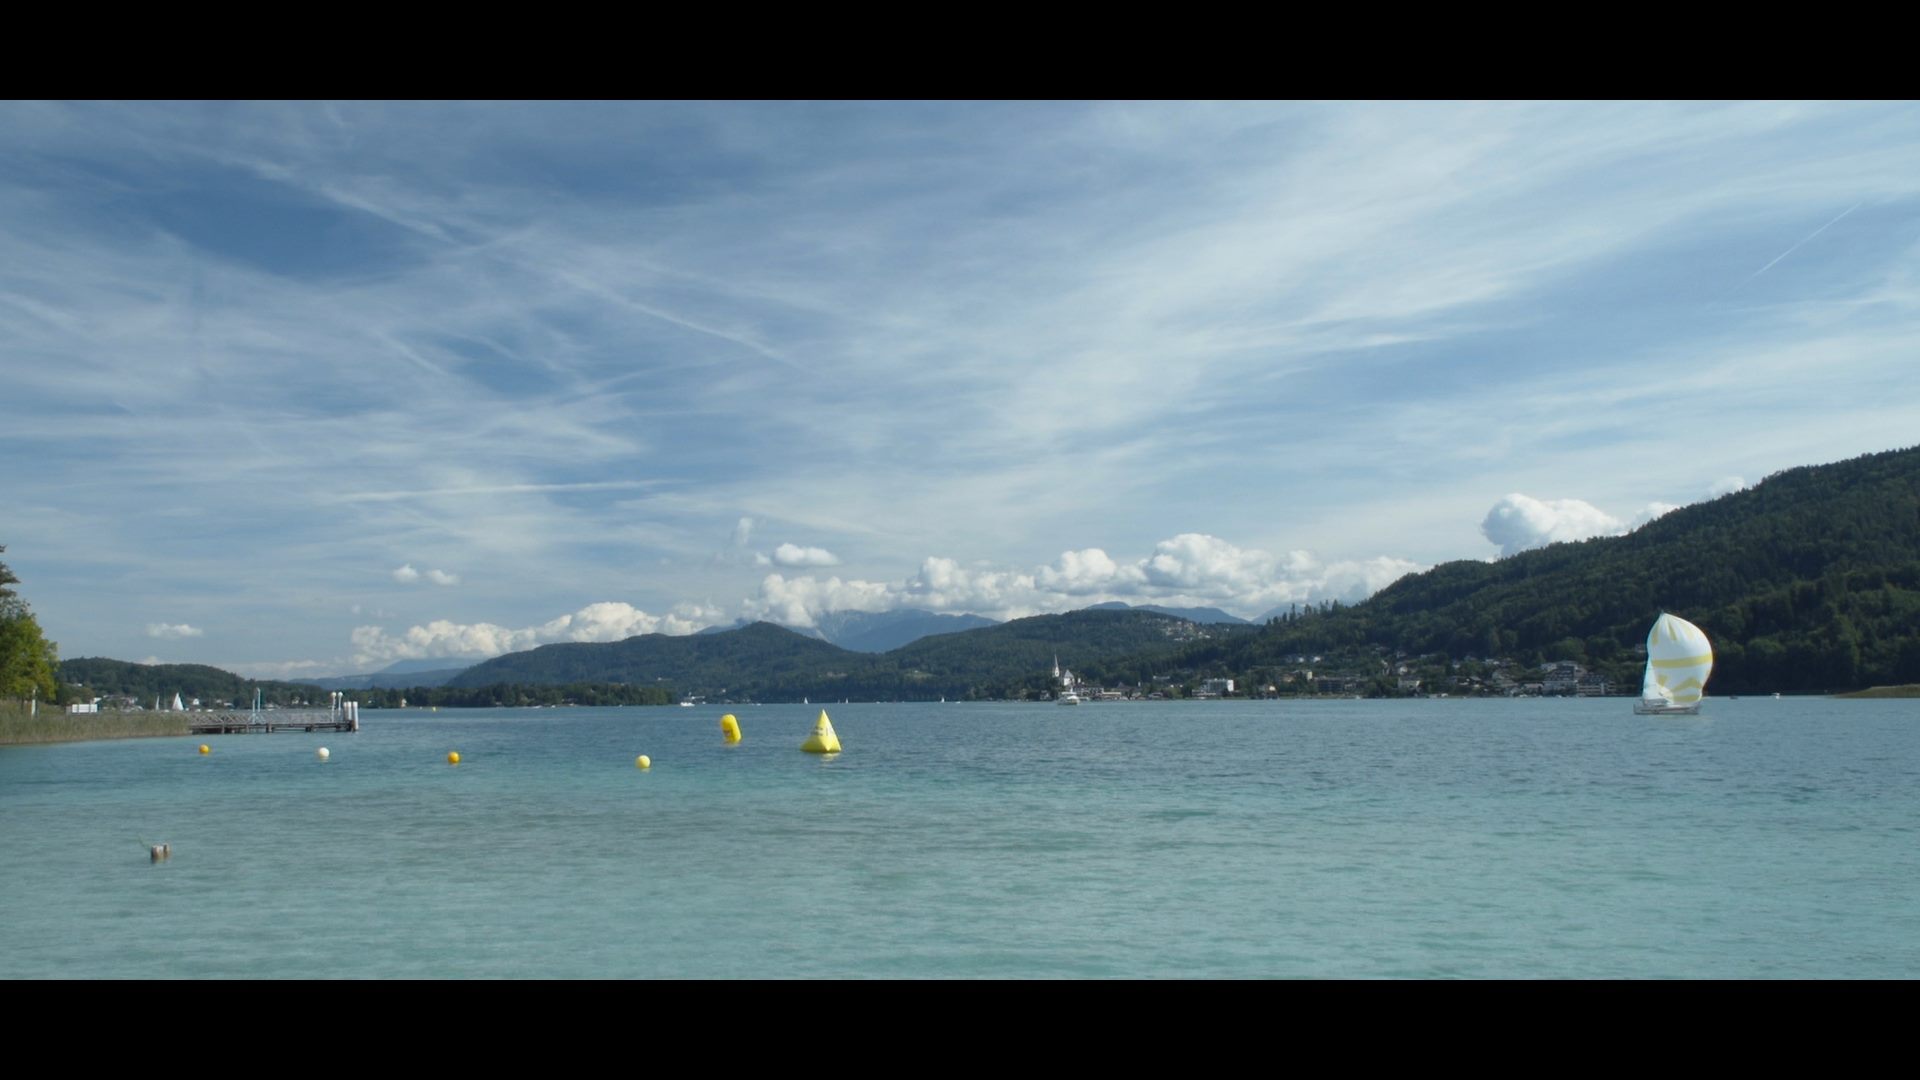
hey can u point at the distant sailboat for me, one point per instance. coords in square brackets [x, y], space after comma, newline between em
[1679, 659]
[178, 705]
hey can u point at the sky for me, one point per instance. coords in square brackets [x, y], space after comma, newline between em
[300, 389]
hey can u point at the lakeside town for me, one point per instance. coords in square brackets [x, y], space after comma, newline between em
[1402, 676]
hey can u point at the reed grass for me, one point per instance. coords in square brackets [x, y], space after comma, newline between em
[1906, 691]
[55, 724]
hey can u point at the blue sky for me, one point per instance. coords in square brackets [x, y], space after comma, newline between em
[305, 388]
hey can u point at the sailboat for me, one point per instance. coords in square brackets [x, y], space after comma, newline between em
[1679, 659]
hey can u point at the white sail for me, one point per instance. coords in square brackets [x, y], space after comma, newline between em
[1679, 659]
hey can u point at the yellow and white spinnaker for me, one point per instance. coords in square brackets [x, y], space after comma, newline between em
[1679, 659]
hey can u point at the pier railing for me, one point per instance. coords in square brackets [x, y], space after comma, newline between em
[269, 721]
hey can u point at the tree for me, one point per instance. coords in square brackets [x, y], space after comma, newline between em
[28, 660]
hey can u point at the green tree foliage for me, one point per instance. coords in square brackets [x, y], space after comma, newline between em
[27, 659]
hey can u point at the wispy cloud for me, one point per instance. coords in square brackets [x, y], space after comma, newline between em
[495, 489]
[174, 630]
[256, 349]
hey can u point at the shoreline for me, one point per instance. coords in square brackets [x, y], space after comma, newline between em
[17, 728]
[1907, 690]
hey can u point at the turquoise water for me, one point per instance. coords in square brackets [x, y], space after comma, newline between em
[1343, 839]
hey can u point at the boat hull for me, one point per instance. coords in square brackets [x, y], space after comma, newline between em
[1642, 708]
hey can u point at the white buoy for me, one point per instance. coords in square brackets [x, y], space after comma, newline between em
[322, 754]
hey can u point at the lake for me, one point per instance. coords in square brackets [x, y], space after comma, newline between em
[1449, 838]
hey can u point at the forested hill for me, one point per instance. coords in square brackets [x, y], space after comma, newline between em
[144, 682]
[1806, 582]
[1021, 653]
[764, 662]
[702, 663]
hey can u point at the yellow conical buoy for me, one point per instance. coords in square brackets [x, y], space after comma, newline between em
[823, 740]
[730, 728]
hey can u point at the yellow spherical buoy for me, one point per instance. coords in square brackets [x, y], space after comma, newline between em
[453, 757]
[205, 749]
[323, 753]
[643, 762]
[823, 740]
[730, 728]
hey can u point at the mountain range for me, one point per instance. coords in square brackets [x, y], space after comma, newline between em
[765, 662]
[399, 675]
[1191, 614]
[1806, 582]
[876, 631]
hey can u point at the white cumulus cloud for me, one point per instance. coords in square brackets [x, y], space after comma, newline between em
[1354, 580]
[1726, 485]
[1649, 512]
[1208, 565]
[604, 621]
[945, 585]
[1192, 569]
[1086, 571]
[1520, 522]
[795, 555]
[795, 602]
[407, 575]
[173, 630]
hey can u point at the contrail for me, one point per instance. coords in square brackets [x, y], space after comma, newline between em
[1802, 243]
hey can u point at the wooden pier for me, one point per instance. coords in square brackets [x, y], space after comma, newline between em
[269, 721]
